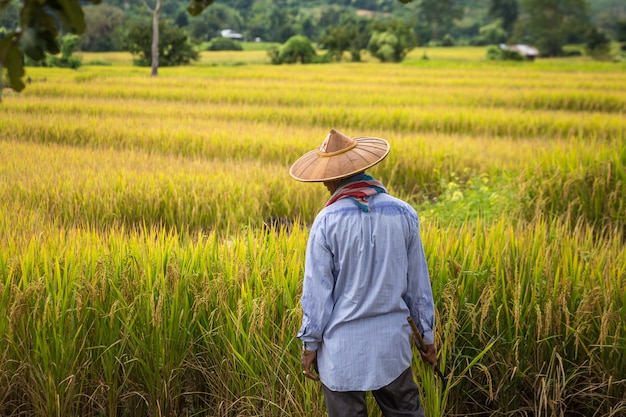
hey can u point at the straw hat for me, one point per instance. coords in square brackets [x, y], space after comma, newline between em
[339, 156]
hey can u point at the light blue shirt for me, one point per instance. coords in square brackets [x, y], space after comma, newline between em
[365, 273]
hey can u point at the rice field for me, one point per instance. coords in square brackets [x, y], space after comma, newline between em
[137, 277]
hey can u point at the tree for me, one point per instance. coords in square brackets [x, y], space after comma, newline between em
[103, 28]
[343, 38]
[386, 47]
[296, 49]
[621, 30]
[598, 45]
[271, 21]
[491, 34]
[337, 40]
[549, 22]
[208, 25]
[156, 17]
[10, 15]
[349, 34]
[440, 15]
[506, 11]
[174, 47]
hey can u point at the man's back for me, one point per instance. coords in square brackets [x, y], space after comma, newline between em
[364, 268]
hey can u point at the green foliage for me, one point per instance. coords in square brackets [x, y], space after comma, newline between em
[549, 24]
[598, 45]
[440, 14]
[506, 12]
[297, 49]
[9, 14]
[174, 46]
[11, 57]
[351, 33]
[491, 34]
[387, 47]
[40, 23]
[69, 43]
[447, 40]
[207, 25]
[224, 44]
[621, 30]
[271, 21]
[104, 28]
[338, 40]
[391, 40]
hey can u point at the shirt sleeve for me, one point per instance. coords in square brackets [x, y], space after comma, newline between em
[419, 295]
[317, 291]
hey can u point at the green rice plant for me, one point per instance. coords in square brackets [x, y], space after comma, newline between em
[104, 188]
[579, 185]
[207, 322]
[534, 293]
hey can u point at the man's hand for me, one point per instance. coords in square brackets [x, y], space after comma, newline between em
[429, 354]
[309, 359]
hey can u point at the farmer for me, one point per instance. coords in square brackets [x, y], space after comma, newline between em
[365, 273]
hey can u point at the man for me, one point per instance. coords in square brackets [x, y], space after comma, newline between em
[365, 273]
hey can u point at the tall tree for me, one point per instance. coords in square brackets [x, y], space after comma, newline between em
[440, 15]
[174, 46]
[391, 40]
[156, 15]
[9, 14]
[549, 22]
[506, 11]
[103, 28]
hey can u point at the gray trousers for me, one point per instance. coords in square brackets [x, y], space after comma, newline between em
[399, 399]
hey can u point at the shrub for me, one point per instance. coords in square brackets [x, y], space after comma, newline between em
[296, 49]
[387, 47]
[224, 44]
[493, 53]
[69, 43]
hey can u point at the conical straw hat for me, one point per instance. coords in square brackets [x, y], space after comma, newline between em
[339, 156]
